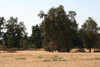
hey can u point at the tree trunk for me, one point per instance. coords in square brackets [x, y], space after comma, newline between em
[91, 50]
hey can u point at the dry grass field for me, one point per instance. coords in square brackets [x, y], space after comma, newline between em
[48, 59]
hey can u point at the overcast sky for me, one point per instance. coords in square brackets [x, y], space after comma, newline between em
[27, 10]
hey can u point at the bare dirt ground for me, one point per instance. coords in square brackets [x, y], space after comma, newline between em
[48, 59]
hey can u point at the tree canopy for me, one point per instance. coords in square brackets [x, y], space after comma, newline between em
[58, 28]
[89, 32]
[58, 31]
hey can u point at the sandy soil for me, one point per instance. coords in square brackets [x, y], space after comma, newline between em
[48, 59]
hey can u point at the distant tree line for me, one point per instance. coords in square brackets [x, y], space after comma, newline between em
[57, 32]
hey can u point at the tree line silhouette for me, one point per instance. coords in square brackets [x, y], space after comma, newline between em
[58, 31]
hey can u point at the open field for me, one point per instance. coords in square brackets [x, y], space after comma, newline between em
[48, 59]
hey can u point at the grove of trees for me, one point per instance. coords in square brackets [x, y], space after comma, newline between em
[58, 31]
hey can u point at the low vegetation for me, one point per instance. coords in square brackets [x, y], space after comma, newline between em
[21, 58]
[97, 58]
[57, 58]
[40, 57]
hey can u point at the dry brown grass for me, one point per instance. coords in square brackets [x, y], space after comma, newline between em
[49, 59]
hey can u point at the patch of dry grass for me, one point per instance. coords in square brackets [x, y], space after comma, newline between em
[47, 59]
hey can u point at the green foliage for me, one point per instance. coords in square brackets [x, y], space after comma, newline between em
[97, 45]
[36, 37]
[57, 32]
[23, 43]
[56, 58]
[40, 57]
[89, 32]
[2, 26]
[2, 23]
[15, 32]
[47, 60]
[10, 42]
[97, 58]
[21, 58]
[58, 29]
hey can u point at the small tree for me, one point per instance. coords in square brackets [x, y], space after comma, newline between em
[36, 36]
[2, 23]
[89, 33]
[97, 45]
[23, 44]
[14, 32]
